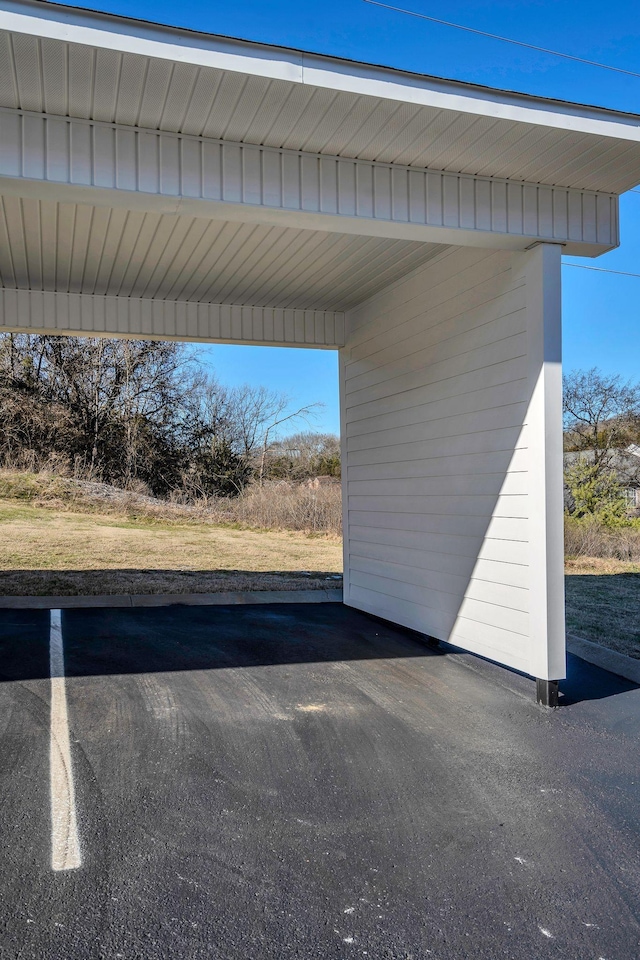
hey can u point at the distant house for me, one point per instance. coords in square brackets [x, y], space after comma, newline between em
[631, 477]
[626, 465]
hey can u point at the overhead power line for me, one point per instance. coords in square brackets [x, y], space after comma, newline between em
[529, 46]
[495, 36]
[584, 266]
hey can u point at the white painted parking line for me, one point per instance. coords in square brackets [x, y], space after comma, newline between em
[65, 848]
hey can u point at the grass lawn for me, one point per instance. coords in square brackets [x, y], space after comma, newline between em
[43, 551]
[603, 603]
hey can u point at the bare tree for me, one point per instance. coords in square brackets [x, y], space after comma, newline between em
[255, 415]
[119, 396]
[601, 414]
[279, 418]
[135, 411]
[300, 456]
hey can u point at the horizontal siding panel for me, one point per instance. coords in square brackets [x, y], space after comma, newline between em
[451, 607]
[502, 373]
[506, 647]
[458, 365]
[446, 298]
[436, 581]
[476, 528]
[367, 319]
[509, 415]
[395, 328]
[460, 546]
[490, 398]
[453, 318]
[497, 441]
[408, 357]
[473, 464]
[459, 312]
[473, 505]
[424, 557]
[490, 484]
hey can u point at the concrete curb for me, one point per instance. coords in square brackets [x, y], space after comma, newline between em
[167, 599]
[618, 663]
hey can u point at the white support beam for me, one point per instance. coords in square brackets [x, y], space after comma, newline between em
[107, 164]
[29, 311]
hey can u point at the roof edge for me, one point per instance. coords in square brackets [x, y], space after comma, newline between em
[94, 28]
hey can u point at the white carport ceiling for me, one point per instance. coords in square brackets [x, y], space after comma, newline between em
[305, 102]
[76, 248]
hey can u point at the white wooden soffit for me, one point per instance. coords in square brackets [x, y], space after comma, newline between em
[51, 157]
[31, 311]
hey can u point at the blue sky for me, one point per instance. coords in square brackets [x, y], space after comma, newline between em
[600, 310]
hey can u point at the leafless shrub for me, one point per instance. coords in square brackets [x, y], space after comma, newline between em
[284, 506]
[591, 538]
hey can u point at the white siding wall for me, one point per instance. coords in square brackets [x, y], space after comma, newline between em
[438, 377]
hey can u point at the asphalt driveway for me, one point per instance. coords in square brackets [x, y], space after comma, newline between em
[271, 782]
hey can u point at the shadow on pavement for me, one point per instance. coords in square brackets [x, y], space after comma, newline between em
[104, 641]
[112, 641]
[587, 682]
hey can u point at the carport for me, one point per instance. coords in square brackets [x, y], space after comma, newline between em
[157, 182]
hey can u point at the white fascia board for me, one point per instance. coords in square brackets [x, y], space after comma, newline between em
[460, 98]
[92, 29]
[59, 158]
[73, 25]
[94, 315]
[238, 212]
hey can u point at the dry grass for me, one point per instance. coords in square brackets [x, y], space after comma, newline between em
[599, 566]
[43, 551]
[283, 506]
[275, 506]
[603, 602]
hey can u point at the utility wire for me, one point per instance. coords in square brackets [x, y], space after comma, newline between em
[529, 46]
[584, 266]
[495, 36]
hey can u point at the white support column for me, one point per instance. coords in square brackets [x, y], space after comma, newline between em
[541, 267]
[452, 444]
[343, 357]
